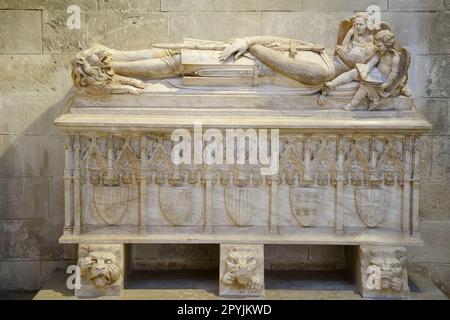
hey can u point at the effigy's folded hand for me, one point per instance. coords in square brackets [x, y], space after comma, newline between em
[238, 46]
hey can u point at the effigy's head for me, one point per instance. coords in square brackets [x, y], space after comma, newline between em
[92, 68]
[361, 22]
[385, 41]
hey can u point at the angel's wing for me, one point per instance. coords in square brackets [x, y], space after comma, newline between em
[385, 26]
[405, 61]
[344, 28]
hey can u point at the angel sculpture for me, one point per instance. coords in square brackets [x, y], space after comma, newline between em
[355, 44]
[355, 40]
[383, 76]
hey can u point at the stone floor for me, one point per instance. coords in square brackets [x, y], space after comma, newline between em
[17, 295]
[297, 285]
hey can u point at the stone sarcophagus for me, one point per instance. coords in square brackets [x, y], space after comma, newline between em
[244, 153]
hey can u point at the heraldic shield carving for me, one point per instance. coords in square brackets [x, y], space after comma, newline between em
[240, 204]
[176, 204]
[305, 204]
[111, 202]
[372, 205]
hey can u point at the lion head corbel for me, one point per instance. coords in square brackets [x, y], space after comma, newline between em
[100, 268]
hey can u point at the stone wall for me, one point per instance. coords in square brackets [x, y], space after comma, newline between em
[35, 50]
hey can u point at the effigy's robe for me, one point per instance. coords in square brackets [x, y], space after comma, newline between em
[201, 66]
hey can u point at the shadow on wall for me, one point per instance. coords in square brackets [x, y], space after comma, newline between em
[31, 191]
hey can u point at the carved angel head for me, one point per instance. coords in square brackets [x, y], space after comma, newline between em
[361, 22]
[385, 41]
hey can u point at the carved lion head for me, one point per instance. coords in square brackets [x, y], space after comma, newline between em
[242, 264]
[100, 269]
[390, 264]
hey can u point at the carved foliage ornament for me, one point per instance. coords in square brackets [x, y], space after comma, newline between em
[317, 156]
[324, 165]
[108, 166]
[291, 164]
